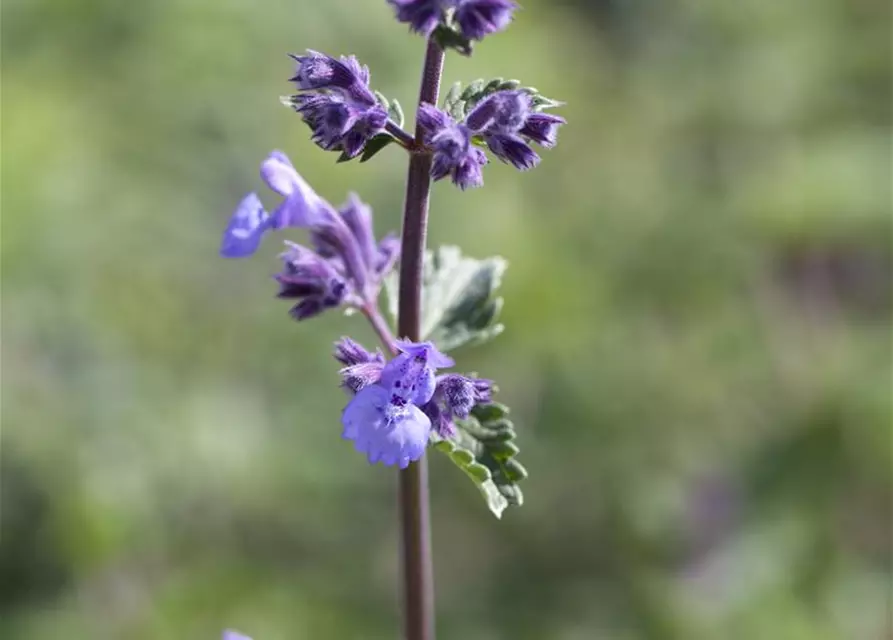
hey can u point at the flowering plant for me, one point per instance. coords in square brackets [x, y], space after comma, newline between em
[441, 300]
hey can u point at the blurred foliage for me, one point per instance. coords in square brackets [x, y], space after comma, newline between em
[697, 344]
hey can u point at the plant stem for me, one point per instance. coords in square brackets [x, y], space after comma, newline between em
[418, 577]
[403, 138]
[380, 326]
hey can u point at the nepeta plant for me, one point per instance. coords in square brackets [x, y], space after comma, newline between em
[399, 407]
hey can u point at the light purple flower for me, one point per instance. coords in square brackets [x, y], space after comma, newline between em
[479, 18]
[500, 112]
[234, 635]
[338, 105]
[245, 229]
[513, 150]
[347, 266]
[384, 419]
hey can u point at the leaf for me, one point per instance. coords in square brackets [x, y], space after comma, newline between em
[476, 91]
[450, 38]
[483, 447]
[459, 302]
[375, 144]
[395, 113]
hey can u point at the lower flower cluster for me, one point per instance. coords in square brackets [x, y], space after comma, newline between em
[396, 404]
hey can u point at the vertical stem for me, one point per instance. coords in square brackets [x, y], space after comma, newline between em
[418, 578]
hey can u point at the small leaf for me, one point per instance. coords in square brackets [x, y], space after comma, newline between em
[480, 89]
[395, 113]
[382, 100]
[489, 463]
[449, 38]
[459, 301]
[376, 144]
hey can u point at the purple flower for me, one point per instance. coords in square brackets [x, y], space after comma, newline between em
[542, 128]
[338, 105]
[245, 229]
[384, 418]
[312, 279]
[350, 352]
[346, 75]
[479, 18]
[500, 112]
[514, 150]
[454, 397]
[234, 635]
[423, 16]
[362, 367]
[474, 19]
[504, 119]
[454, 153]
[347, 266]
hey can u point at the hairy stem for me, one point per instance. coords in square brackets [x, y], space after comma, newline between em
[418, 578]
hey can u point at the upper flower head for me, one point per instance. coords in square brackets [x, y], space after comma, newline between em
[338, 105]
[474, 19]
[479, 18]
[423, 16]
[348, 265]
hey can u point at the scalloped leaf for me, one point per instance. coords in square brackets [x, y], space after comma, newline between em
[459, 301]
[483, 447]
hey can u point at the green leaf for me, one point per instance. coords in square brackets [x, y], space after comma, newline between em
[395, 113]
[376, 144]
[468, 98]
[459, 301]
[483, 448]
[450, 38]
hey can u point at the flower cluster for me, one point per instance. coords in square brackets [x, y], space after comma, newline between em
[346, 264]
[397, 403]
[336, 102]
[473, 19]
[505, 121]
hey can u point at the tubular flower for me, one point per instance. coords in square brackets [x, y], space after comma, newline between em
[347, 266]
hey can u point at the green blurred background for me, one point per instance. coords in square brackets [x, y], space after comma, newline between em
[697, 351]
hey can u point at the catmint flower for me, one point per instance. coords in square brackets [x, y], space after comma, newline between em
[362, 367]
[307, 276]
[384, 419]
[234, 635]
[479, 18]
[338, 104]
[504, 119]
[474, 19]
[454, 397]
[423, 16]
[347, 266]
[454, 153]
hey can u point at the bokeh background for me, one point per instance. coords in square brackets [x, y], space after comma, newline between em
[697, 351]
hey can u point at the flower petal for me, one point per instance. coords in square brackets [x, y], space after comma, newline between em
[245, 229]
